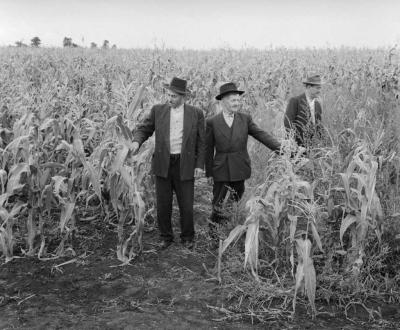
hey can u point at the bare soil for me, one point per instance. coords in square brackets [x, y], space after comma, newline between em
[161, 289]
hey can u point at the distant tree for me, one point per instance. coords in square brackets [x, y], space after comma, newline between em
[114, 46]
[93, 45]
[35, 42]
[67, 42]
[20, 44]
[106, 44]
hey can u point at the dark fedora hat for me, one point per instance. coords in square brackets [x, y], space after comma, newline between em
[228, 88]
[178, 86]
[313, 80]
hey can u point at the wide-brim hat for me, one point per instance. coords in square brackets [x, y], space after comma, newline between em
[313, 80]
[178, 86]
[228, 88]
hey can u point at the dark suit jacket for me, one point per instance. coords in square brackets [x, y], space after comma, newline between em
[298, 118]
[193, 147]
[227, 158]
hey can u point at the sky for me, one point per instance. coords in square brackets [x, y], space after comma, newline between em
[203, 24]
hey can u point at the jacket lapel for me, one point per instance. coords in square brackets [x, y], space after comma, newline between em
[318, 111]
[187, 123]
[236, 127]
[305, 107]
[223, 126]
[165, 118]
[303, 102]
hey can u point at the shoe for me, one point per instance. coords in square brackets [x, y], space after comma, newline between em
[188, 244]
[165, 244]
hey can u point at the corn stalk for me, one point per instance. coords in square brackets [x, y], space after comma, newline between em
[362, 207]
[125, 184]
[276, 205]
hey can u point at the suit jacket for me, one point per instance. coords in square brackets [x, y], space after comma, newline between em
[298, 118]
[193, 147]
[227, 158]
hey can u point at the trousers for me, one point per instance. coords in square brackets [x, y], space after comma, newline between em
[221, 201]
[184, 191]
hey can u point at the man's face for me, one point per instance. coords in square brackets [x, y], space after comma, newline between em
[314, 91]
[231, 102]
[175, 100]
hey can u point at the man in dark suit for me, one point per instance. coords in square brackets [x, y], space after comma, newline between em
[178, 158]
[227, 160]
[303, 113]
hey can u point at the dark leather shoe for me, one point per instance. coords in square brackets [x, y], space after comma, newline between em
[165, 244]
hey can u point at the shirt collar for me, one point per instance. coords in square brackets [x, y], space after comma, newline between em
[309, 100]
[178, 109]
[228, 114]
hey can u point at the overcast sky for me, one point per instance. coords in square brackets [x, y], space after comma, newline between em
[203, 24]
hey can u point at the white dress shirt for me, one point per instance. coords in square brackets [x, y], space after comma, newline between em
[311, 104]
[176, 130]
[228, 118]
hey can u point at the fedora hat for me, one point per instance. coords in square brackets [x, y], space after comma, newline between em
[313, 80]
[228, 88]
[178, 86]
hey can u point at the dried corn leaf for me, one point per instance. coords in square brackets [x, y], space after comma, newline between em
[233, 236]
[251, 246]
[305, 273]
[346, 223]
[66, 213]
[316, 236]
[119, 158]
[60, 187]
[14, 177]
[3, 198]
[293, 226]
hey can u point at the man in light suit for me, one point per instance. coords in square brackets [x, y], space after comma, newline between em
[227, 160]
[303, 113]
[178, 158]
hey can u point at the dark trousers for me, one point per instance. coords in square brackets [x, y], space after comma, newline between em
[222, 201]
[184, 191]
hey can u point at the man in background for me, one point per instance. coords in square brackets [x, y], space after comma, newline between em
[178, 158]
[303, 113]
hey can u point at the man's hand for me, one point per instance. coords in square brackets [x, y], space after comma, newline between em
[210, 180]
[134, 147]
[198, 173]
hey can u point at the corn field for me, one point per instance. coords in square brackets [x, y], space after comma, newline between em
[326, 222]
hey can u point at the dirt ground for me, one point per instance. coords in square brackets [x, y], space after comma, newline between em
[162, 289]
